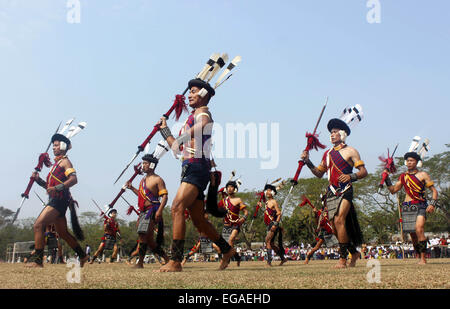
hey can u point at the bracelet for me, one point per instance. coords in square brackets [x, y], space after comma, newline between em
[353, 177]
[309, 164]
[41, 182]
[433, 203]
[59, 187]
[165, 132]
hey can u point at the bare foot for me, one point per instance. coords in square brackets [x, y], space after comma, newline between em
[92, 261]
[226, 259]
[83, 261]
[422, 262]
[238, 263]
[306, 261]
[282, 262]
[182, 263]
[34, 265]
[341, 264]
[355, 257]
[172, 266]
[138, 266]
[268, 264]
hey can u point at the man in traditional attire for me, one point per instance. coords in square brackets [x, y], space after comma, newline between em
[415, 206]
[338, 162]
[152, 198]
[272, 218]
[232, 222]
[195, 143]
[61, 177]
[109, 239]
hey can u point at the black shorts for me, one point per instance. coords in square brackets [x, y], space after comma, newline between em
[196, 173]
[60, 205]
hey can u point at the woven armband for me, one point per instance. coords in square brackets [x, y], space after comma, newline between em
[162, 192]
[59, 187]
[388, 181]
[353, 177]
[309, 164]
[165, 132]
[69, 171]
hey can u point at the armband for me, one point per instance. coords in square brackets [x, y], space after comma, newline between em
[165, 132]
[162, 192]
[353, 177]
[309, 164]
[359, 163]
[322, 168]
[433, 203]
[388, 181]
[59, 187]
[69, 171]
[183, 138]
[276, 223]
[41, 182]
[429, 184]
[245, 217]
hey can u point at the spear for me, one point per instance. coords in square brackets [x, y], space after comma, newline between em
[179, 106]
[44, 159]
[130, 207]
[312, 143]
[137, 171]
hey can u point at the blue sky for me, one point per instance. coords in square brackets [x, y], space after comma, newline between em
[121, 66]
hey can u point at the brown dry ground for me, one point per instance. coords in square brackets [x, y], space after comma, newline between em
[395, 274]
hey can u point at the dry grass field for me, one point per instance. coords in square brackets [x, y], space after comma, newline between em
[395, 274]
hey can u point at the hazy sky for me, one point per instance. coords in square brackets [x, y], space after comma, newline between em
[121, 66]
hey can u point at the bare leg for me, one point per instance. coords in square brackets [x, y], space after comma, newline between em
[46, 217]
[186, 196]
[61, 228]
[420, 232]
[341, 232]
[317, 247]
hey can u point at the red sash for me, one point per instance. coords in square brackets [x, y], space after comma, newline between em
[233, 212]
[413, 186]
[146, 195]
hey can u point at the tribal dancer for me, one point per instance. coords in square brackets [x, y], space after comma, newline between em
[339, 162]
[61, 177]
[53, 244]
[195, 138]
[415, 206]
[323, 229]
[109, 239]
[151, 189]
[232, 222]
[272, 218]
[198, 245]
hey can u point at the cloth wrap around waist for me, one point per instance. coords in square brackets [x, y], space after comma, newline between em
[410, 211]
[206, 245]
[145, 217]
[110, 241]
[333, 203]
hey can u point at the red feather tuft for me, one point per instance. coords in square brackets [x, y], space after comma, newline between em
[180, 106]
[130, 210]
[313, 142]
